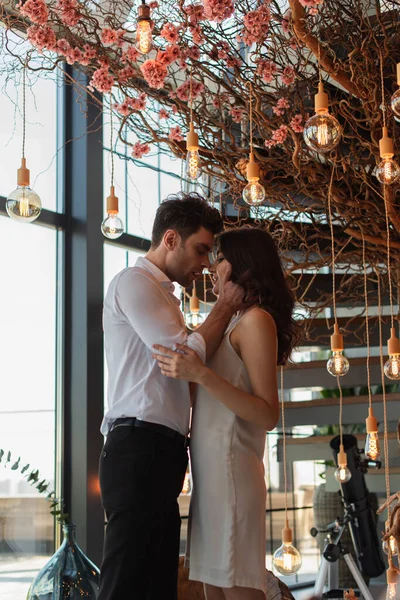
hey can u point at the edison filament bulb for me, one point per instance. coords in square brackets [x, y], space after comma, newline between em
[391, 578]
[388, 171]
[338, 365]
[287, 559]
[193, 163]
[392, 365]
[391, 542]
[112, 226]
[194, 319]
[144, 38]
[23, 204]
[343, 474]
[253, 193]
[372, 446]
[395, 99]
[322, 132]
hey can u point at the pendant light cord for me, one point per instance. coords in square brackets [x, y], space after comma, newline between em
[385, 201]
[111, 141]
[250, 87]
[385, 430]
[284, 447]
[24, 107]
[191, 94]
[382, 90]
[366, 322]
[332, 243]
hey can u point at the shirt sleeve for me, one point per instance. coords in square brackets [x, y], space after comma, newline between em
[154, 318]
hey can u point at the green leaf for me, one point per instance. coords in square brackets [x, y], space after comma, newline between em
[15, 466]
[1, 454]
[25, 468]
[8, 457]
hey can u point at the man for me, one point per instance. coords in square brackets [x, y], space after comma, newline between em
[144, 459]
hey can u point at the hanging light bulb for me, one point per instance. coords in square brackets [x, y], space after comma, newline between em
[372, 447]
[287, 559]
[144, 38]
[194, 318]
[337, 365]
[392, 365]
[395, 100]
[112, 226]
[193, 163]
[391, 542]
[388, 171]
[342, 473]
[23, 204]
[254, 193]
[322, 132]
[391, 578]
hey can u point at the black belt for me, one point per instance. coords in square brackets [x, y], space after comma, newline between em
[157, 427]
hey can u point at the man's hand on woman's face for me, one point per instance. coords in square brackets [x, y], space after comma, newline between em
[232, 294]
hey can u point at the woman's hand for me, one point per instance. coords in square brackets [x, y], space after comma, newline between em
[187, 366]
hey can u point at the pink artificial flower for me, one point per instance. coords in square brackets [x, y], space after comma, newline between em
[123, 109]
[68, 12]
[163, 114]
[175, 134]
[170, 33]
[281, 106]
[42, 36]
[256, 25]
[197, 34]
[183, 91]
[233, 62]
[288, 75]
[287, 17]
[218, 10]
[174, 109]
[195, 12]
[73, 55]
[280, 134]
[193, 52]
[102, 80]
[313, 11]
[140, 102]
[130, 54]
[125, 74]
[154, 73]
[269, 143]
[310, 3]
[236, 113]
[89, 52]
[153, 5]
[139, 149]
[266, 69]
[35, 10]
[173, 52]
[63, 47]
[296, 123]
[109, 37]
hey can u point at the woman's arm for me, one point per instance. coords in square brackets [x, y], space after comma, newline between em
[257, 344]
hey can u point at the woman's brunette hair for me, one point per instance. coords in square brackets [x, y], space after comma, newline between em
[256, 266]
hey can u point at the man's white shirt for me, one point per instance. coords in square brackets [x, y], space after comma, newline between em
[140, 309]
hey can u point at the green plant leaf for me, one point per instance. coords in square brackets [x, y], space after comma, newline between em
[25, 468]
[8, 459]
[15, 466]
[1, 454]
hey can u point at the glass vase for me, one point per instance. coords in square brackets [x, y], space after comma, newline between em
[68, 574]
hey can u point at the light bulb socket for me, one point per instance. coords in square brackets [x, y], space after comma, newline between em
[342, 457]
[287, 534]
[393, 343]
[194, 302]
[391, 574]
[23, 174]
[144, 12]
[192, 139]
[112, 202]
[321, 101]
[371, 422]
[398, 73]
[253, 170]
[336, 339]
[386, 149]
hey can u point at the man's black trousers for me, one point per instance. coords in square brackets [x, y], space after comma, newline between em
[141, 477]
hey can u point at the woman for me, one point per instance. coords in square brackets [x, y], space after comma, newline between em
[236, 403]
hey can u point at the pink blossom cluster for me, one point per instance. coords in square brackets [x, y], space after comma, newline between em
[197, 33]
[109, 37]
[154, 73]
[218, 10]
[287, 17]
[73, 55]
[280, 107]
[175, 134]
[131, 104]
[296, 123]
[195, 12]
[236, 113]
[170, 33]
[42, 37]
[125, 74]
[169, 55]
[102, 80]
[221, 99]
[310, 3]
[183, 91]
[163, 114]
[256, 25]
[35, 10]
[288, 75]
[266, 69]
[68, 12]
[140, 149]
[278, 137]
[153, 5]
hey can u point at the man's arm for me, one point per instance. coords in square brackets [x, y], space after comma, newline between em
[143, 303]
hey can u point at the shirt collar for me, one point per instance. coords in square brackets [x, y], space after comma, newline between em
[158, 274]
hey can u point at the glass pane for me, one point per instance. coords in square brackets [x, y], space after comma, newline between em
[41, 142]
[27, 421]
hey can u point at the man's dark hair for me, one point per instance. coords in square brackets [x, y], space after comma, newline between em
[185, 213]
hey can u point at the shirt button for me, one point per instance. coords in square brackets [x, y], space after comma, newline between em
[104, 454]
